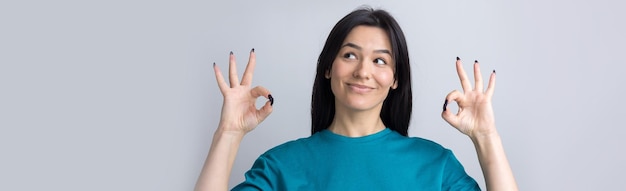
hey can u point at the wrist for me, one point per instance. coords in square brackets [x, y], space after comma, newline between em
[231, 128]
[232, 135]
[223, 131]
[485, 137]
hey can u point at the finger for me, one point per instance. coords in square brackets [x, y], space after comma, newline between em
[232, 71]
[448, 115]
[492, 84]
[247, 75]
[478, 78]
[465, 84]
[267, 108]
[265, 111]
[221, 83]
[259, 91]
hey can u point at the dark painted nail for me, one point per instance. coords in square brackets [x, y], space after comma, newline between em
[475, 61]
[231, 52]
[213, 64]
[494, 71]
[252, 50]
[271, 99]
[445, 105]
[457, 58]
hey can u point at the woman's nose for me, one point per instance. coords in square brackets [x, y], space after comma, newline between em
[363, 69]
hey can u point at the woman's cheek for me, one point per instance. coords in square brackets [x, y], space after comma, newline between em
[386, 78]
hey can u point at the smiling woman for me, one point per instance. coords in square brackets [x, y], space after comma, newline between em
[396, 110]
[360, 109]
[361, 77]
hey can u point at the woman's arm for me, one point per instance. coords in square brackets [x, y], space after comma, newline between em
[219, 162]
[475, 118]
[496, 169]
[239, 116]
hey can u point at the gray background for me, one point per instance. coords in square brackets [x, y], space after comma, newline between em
[120, 95]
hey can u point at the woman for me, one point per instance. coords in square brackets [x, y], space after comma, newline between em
[360, 112]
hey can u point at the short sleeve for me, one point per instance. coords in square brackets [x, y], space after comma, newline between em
[455, 177]
[261, 176]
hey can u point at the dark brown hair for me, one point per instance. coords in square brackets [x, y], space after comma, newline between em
[397, 107]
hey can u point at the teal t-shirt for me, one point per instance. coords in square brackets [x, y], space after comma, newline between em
[382, 161]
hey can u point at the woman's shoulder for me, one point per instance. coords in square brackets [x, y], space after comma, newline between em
[418, 143]
[321, 142]
[293, 147]
[289, 145]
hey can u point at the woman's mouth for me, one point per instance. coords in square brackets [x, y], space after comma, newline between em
[360, 88]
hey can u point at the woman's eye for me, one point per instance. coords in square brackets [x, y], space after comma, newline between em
[379, 61]
[349, 56]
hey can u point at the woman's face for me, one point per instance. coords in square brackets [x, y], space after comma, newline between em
[363, 71]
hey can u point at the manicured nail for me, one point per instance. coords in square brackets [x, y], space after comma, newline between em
[252, 50]
[457, 58]
[445, 105]
[271, 99]
[494, 71]
[231, 52]
[475, 61]
[213, 64]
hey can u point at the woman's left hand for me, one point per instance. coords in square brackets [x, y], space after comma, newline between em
[475, 116]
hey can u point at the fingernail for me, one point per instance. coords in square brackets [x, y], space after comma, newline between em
[445, 105]
[231, 52]
[475, 61]
[271, 99]
[252, 50]
[494, 71]
[457, 58]
[213, 64]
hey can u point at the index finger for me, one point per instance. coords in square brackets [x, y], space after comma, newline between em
[465, 83]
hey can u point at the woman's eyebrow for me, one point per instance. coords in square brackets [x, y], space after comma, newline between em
[383, 51]
[352, 45]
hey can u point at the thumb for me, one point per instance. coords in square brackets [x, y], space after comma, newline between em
[266, 110]
[447, 115]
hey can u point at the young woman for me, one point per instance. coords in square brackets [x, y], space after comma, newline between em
[360, 109]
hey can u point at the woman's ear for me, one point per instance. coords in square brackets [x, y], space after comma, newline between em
[327, 74]
[394, 85]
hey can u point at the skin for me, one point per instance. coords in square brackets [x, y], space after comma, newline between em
[361, 77]
[239, 116]
[475, 119]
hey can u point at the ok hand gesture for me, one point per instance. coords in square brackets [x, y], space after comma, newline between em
[475, 116]
[239, 113]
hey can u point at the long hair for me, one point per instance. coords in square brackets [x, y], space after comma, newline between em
[397, 107]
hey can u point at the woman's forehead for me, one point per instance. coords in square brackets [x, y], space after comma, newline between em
[368, 37]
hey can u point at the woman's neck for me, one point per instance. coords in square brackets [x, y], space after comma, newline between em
[356, 123]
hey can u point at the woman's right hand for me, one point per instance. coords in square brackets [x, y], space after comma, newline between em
[239, 113]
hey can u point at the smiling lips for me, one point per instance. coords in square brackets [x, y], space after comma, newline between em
[358, 88]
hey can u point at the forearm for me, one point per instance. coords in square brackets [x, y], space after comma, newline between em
[219, 162]
[495, 166]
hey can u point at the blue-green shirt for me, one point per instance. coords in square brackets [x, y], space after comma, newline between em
[382, 161]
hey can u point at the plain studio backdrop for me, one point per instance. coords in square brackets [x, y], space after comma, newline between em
[121, 95]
